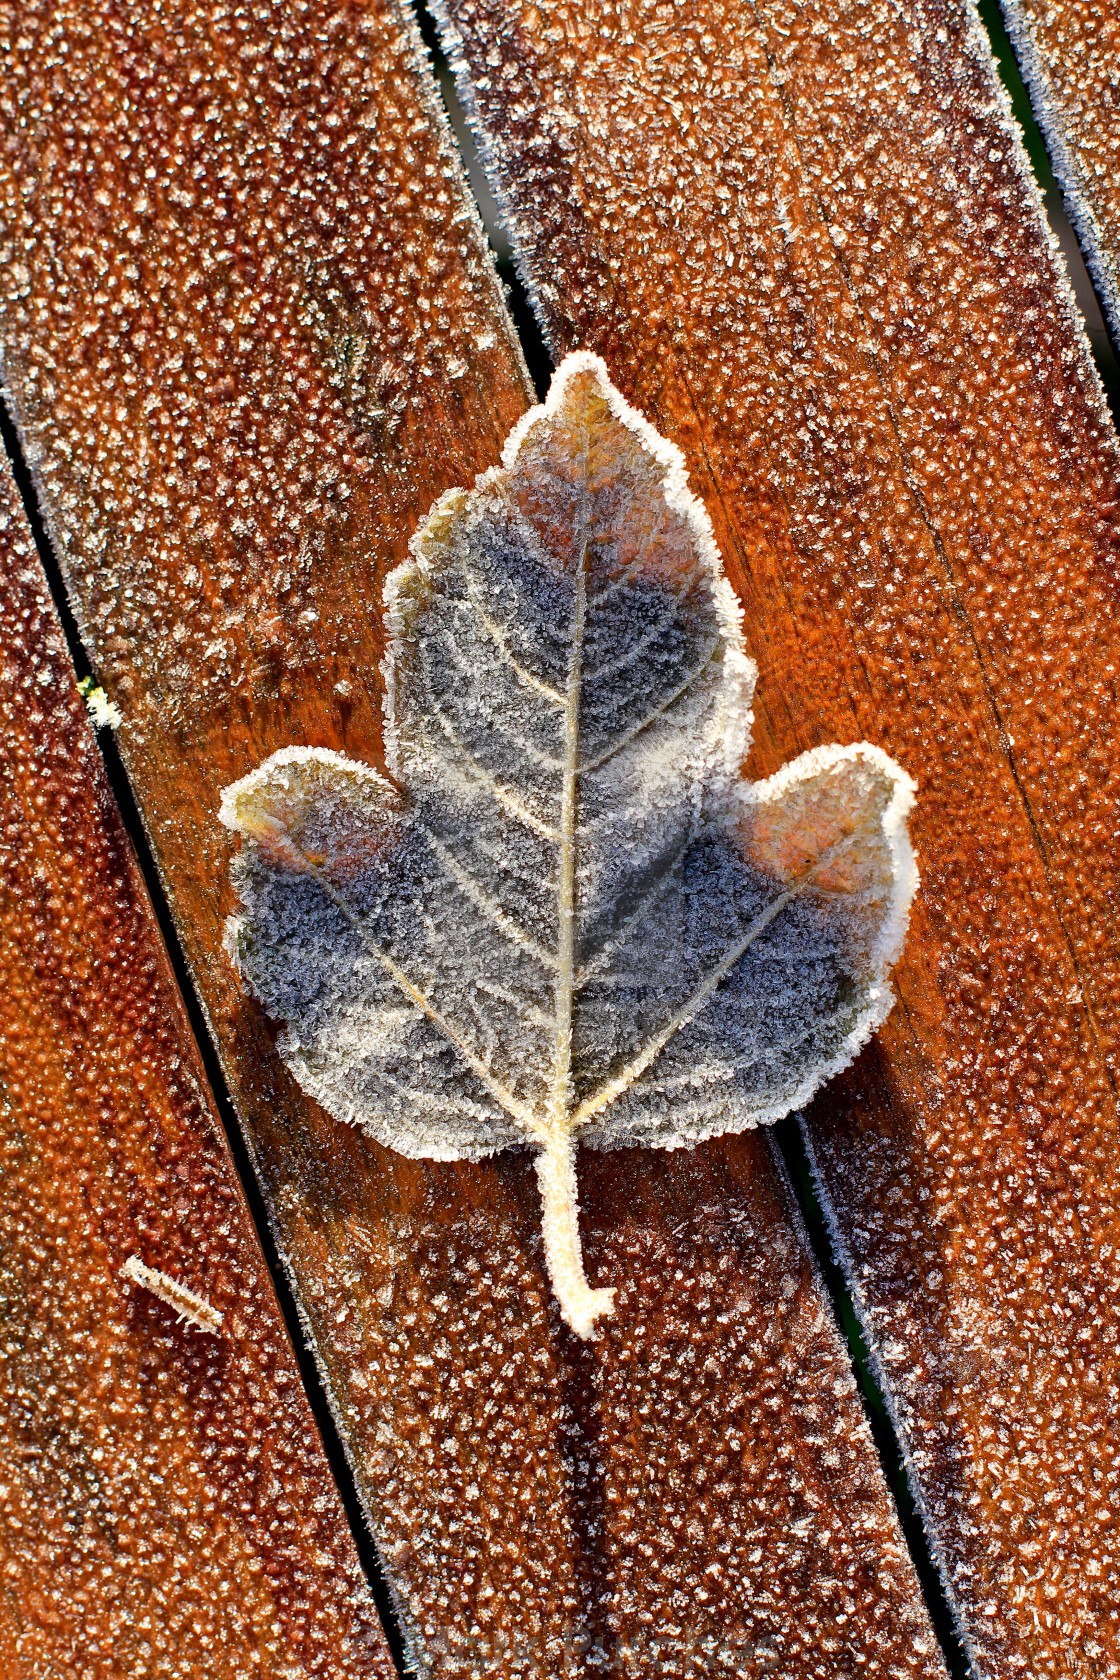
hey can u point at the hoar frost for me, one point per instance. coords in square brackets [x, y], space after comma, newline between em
[566, 916]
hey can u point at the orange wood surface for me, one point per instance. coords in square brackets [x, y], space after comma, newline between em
[165, 1503]
[804, 238]
[250, 332]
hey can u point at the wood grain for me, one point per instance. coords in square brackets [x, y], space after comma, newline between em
[250, 332]
[1069, 52]
[166, 1506]
[805, 241]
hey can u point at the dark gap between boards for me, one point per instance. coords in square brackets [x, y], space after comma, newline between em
[533, 347]
[1084, 291]
[313, 1384]
[787, 1137]
[789, 1145]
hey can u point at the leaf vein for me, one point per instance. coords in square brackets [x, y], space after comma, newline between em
[652, 716]
[472, 889]
[513, 1106]
[621, 1082]
[501, 642]
[624, 661]
[493, 786]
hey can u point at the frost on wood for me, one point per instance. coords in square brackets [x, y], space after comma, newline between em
[809, 233]
[566, 916]
[166, 1507]
[1070, 57]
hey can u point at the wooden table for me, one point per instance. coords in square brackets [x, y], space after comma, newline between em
[250, 329]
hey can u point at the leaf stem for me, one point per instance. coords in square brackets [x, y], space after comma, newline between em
[580, 1305]
[556, 1164]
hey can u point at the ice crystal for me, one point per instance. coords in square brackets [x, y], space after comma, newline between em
[564, 914]
[103, 711]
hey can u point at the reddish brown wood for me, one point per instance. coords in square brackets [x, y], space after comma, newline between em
[804, 239]
[1069, 51]
[251, 332]
[166, 1506]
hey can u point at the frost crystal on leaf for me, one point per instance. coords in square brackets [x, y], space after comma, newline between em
[567, 916]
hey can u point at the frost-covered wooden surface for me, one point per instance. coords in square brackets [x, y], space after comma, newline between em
[805, 238]
[1070, 55]
[250, 333]
[165, 1503]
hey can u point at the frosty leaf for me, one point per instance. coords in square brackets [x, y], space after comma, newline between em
[566, 915]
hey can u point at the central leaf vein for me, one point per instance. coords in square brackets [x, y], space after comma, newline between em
[560, 1096]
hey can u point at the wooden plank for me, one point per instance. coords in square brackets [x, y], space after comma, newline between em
[251, 332]
[166, 1505]
[805, 240]
[1069, 52]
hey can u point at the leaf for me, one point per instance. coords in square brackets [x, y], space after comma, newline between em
[566, 915]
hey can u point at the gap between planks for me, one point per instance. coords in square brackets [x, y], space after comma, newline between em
[787, 1143]
[788, 1148]
[538, 362]
[1090, 302]
[313, 1385]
